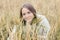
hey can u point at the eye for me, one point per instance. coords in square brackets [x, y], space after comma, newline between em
[28, 12]
[23, 14]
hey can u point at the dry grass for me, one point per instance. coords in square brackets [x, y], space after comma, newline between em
[9, 16]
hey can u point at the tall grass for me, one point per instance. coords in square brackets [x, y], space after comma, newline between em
[9, 17]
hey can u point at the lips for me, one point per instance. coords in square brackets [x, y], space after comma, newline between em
[28, 18]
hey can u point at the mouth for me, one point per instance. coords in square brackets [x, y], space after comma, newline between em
[28, 18]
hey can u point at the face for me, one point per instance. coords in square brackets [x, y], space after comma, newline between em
[27, 15]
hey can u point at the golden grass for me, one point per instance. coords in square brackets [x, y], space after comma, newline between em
[9, 16]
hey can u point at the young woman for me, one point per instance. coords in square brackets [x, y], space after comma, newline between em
[35, 26]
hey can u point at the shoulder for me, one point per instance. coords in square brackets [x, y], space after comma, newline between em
[44, 21]
[40, 16]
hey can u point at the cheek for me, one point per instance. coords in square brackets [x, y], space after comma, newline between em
[31, 15]
[23, 17]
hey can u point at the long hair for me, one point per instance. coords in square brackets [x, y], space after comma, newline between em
[30, 8]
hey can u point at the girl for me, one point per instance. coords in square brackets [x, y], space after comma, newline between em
[35, 27]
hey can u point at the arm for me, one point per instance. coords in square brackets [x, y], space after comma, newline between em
[43, 29]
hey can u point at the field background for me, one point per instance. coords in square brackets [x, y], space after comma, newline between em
[9, 10]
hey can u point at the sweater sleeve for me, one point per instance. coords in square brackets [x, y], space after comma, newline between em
[43, 29]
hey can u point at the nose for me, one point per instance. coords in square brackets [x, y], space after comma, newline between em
[26, 15]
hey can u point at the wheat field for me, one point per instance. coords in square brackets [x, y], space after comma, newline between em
[9, 15]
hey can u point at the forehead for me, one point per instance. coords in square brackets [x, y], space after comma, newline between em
[25, 10]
